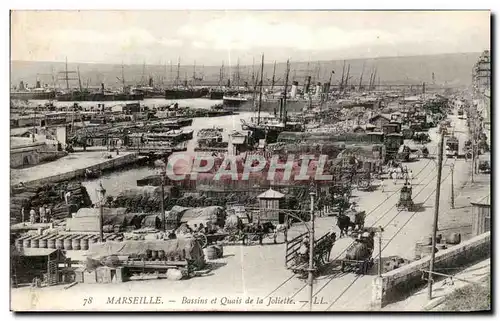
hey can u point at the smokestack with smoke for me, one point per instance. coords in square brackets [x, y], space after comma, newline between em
[293, 92]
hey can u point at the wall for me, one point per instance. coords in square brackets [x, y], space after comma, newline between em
[481, 219]
[109, 164]
[400, 282]
[23, 157]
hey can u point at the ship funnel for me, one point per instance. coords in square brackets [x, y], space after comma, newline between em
[326, 87]
[102, 88]
[307, 84]
[38, 84]
[21, 85]
[318, 89]
[293, 93]
[150, 81]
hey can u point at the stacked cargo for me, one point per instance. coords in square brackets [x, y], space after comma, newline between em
[51, 195]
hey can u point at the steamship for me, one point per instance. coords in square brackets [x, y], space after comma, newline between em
[185, 93]
[270, 103]
[38, 92]
[102, 95]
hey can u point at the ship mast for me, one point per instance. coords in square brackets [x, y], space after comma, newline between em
[261, 84]
[79, 79]
[143, 77]
[238, 73]
[274, 74]
[165, 74]
[283, 113]
[66, 75]
[177, 79]
[194, 73]
[342, 79]
[347, 77]
[221, 75]
[253, 75]
[123, 77]
[67, 79]
[361, 77]
[318, 72]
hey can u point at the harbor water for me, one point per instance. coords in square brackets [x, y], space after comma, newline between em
[127, 178]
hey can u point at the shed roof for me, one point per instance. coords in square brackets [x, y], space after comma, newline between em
[388, 117]
[272, 194]
[482, 201]
[36, 251]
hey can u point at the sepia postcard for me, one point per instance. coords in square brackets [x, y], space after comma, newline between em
[250, 160]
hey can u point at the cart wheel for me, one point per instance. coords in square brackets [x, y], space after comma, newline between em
[202, 238]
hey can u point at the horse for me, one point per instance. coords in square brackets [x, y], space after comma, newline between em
[359, 219]
[344, 222]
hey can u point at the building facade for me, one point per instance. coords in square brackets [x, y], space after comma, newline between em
[481, 73]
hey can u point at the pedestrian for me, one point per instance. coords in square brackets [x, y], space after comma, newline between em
[67, 197]
[42, 214]
[394, 178]
[48, 213]
[382, 185]
[32, 216]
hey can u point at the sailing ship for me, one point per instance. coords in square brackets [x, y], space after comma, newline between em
[84, 94]
[268, 128]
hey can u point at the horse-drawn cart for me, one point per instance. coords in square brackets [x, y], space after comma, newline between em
[359, 255]
[207, 239]
[297, 253]
[405, 198]
[365, 181]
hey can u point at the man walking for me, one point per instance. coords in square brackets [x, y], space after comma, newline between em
[32, 216]
[48, 213]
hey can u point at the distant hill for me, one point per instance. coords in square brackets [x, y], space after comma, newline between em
[448, 69]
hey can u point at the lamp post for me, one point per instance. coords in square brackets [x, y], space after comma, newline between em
[162, 204]
[452, 196]
[379, 234]
[102, 193]
[436, 215]
[311, 251]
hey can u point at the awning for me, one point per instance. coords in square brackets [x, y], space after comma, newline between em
[36, 251]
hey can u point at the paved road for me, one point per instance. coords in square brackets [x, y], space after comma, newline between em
[258, 272]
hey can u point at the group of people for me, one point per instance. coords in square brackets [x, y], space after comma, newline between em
[396, 173]
[43, 215]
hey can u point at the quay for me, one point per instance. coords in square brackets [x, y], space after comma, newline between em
[70, 167]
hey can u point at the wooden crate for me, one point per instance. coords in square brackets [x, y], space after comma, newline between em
[79, 275]
[90, 277]
[103, 274]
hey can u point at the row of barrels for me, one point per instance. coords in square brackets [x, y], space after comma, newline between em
[67, 242]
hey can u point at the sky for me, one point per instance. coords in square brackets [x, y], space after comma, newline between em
[210, 37]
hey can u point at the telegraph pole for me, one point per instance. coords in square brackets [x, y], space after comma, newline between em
[162, 203]
[380, 250]
[261, 84]
[436, 214]
[473, 158]
[311, 252]
[102, 192]
[452, 166]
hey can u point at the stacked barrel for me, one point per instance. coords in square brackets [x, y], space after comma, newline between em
[67, 242]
